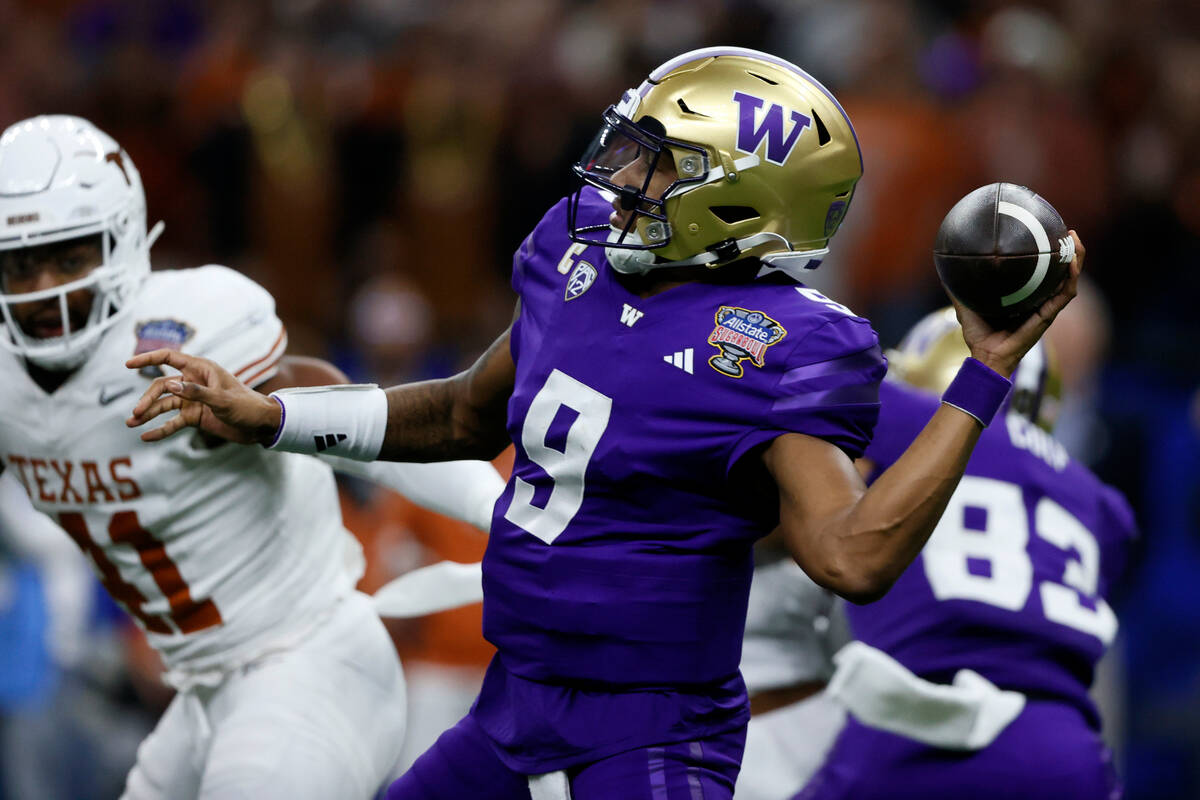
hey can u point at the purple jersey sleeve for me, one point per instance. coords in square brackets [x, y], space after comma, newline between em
[828, 388]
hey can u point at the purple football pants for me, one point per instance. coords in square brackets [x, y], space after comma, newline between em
[1046, 753]
[461, 765]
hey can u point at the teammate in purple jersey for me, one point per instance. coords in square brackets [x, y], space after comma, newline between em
[673, 393]
[1010, 586]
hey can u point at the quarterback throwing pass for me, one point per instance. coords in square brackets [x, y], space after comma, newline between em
[674, 393]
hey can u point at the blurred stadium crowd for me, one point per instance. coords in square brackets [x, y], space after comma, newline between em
[374, 163]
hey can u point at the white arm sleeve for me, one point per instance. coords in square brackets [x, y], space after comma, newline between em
[463, 490]
[428, 590]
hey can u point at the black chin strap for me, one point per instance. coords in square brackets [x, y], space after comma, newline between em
[628, 196]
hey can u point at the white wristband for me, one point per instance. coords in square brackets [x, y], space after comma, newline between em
[344, 421]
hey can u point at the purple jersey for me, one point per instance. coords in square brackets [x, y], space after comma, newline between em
[1046, 753]
[619, 563]
[1012, 582]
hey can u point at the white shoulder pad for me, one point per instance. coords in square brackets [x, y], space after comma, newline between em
[225, 317]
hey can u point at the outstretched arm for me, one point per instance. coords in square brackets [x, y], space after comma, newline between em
[463, 490]
[856, 541]
[461, 417]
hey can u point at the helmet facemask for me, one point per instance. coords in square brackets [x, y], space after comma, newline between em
[619, 144]
[111, 283]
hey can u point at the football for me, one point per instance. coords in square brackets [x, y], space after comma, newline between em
[1002, 251]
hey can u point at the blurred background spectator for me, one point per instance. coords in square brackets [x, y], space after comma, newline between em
[374, 163]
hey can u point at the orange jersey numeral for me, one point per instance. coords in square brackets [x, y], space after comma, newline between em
[188, 615]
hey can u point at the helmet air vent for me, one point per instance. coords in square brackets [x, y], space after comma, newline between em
[823, 136]
[762, 78]
[732, 214]
[684, 108]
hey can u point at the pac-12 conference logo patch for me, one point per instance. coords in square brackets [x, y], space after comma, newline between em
[582, 278]
[161, 334]
[741, 334]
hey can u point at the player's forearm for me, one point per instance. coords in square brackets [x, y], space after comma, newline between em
[432, 421]
[462, 417]
[876, 538]
[463, 490]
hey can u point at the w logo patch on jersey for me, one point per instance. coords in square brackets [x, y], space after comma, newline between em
[582, 278]
[741, 334]
[752, 132]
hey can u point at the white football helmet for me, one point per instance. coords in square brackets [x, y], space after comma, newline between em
[62, 178]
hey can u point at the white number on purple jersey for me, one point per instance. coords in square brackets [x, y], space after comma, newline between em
[978, 552]
[1060, 601]
[817, 297]
[565, 468]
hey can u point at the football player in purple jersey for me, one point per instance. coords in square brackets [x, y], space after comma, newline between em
[674, 393]
[970, 678]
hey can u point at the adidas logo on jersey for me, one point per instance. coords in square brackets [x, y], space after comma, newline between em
[682, 359]
[630, 315]
[328, 440]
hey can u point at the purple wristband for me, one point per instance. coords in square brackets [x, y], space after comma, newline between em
[282, 419]
[977, 390]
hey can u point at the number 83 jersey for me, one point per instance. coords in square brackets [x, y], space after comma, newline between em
[620, 549]
[215, 551]
[1012, 582]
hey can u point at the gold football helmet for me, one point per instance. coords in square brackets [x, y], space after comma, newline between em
[930, 354]
[764, 164]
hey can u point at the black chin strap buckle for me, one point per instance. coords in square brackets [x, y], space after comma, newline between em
[629, 197]
[725, 251]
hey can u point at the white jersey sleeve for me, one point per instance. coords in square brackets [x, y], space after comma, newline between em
[462, 490]
[243, 333]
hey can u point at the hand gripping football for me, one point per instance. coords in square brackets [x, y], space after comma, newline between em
[1002, 251]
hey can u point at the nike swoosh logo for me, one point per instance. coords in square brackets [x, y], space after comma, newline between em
[105, 398]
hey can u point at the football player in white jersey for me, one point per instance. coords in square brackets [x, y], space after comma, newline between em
[233, 560]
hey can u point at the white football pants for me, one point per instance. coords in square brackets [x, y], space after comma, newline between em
[322, 720]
